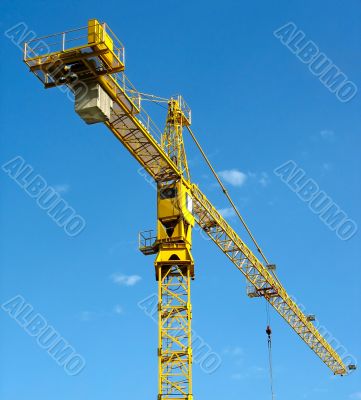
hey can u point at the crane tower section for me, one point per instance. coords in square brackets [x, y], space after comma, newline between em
[179, 115]
[174, 266]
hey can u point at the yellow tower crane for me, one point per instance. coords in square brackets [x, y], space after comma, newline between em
[90, 62]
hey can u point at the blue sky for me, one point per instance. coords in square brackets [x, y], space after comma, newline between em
[255, 106]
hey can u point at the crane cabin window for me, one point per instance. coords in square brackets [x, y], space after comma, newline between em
[168, 193]
[189, 203]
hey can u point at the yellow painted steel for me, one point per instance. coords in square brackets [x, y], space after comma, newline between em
[175, 335]
[174, 267]
[174, 214]
[162, 155]
[100, 40]
[172, 139]
[76, 55]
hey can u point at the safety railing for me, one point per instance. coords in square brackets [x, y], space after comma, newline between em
[147, 242]
[75, 39]
[129, 89]
[147, 238]
[185, 109]
[251, 290]
[136, 97]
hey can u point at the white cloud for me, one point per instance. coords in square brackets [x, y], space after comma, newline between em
[261, 177]
[237, 351]
[237, 178]
[125, 280]
[320, 390]
[248, 372]
[227, 212]
[233, 176]
[264, 179]
[327, 134]
[87, 315]
[61, 188]
[257, 369]
[233, 351]
[118, 309]
[355, 396]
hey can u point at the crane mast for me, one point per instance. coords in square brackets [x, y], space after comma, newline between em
[174, 265]
[94, 71]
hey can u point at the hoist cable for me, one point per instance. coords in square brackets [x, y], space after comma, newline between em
[255, 243]
[269, 345]
[268, 314]
[227, 195]
[270, 365]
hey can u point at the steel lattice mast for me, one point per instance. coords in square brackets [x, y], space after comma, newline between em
[98, 64]
[174, 265]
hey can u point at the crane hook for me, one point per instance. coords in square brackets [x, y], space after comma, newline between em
[269, 331]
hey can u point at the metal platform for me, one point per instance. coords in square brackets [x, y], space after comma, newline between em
[78, 54]
[148, 243]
